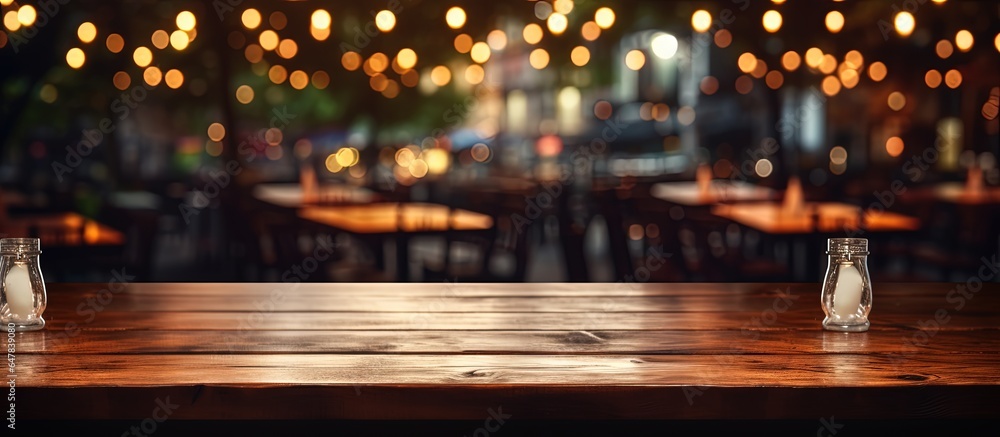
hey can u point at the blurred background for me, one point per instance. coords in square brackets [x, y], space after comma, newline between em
[523, 141]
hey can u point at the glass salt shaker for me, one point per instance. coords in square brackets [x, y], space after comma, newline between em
[22, 289]
[847, 289]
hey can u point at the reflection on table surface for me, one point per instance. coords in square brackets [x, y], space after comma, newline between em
[381, 218]
[774, 218]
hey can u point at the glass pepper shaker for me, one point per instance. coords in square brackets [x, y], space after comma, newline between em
[847, 289]
[22, 289]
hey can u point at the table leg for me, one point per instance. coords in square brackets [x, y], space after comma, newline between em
[402, 258]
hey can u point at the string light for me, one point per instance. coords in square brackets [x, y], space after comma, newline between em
[834, 21]
[455, 17]
[604, 17]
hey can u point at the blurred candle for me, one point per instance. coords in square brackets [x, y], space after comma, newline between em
[974, 180]
[703, 177]
[308, 182]
[17, 286]
[793, 196]
[847, 295]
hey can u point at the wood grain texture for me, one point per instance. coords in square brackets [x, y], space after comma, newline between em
[543, 351]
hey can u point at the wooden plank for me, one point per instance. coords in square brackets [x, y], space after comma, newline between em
[837, 370]
[513, 342]
[448, 289]
[801, 320]
[284, 302]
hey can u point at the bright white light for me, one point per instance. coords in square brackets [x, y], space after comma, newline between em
[664, 46]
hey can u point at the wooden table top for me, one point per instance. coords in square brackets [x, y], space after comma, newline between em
[771, 218]
[61, 229]
[389, 218]
[290, 195]
[541, 351]
[720, 191]
[954, 192]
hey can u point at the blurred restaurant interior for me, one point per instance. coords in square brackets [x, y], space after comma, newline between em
[520, 141]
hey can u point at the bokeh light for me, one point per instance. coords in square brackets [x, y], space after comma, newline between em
[142, 56]
[944, 49]
[664, 46]
[251, 18]
[480, 52]
[953, 78]
[406, 58]
[557, 23]
[320, 19]
[896, 101]
[179, 40]
[894, 146]
[590, 31]
[539, 59]
[772, 21]
[604, 17]
[830, 85]
[455, 17]
[385, 20]
[932, 78]
[114, 43]
[186, 20]
[87, 32]
[174, 78]
[701, 20]
[244, 94]
[635, 59]
[904, 23]
[877, 71]
[216, 132]
[791, 61]
[834, 21]
[152, 76]
[440, 75]
[964, 40]
[532, 33]
[75, 58]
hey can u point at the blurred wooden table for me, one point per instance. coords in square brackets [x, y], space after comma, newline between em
[536, 351]
[61, 230]
[688, 194]
[290, 195]
[812, 224]
[829, 217]
[954, 192]
[399, 220]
